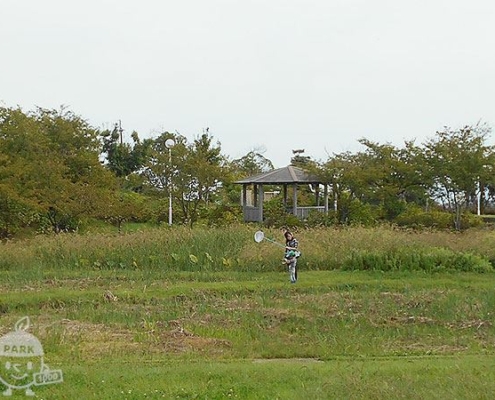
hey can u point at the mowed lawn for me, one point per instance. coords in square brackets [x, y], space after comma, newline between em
[221, 335]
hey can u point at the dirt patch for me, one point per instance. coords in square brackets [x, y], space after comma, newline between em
[411, 319]
[99, 339]
[476, 324]
[180, 340]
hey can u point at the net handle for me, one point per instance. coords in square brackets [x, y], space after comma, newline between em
[259, 236]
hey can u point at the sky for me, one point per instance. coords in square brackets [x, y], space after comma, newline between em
[265, 75]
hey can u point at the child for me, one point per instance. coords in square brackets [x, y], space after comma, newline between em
[291, 255]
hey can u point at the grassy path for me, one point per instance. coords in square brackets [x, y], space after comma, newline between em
[446, 377]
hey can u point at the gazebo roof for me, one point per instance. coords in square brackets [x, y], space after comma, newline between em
[285, 175]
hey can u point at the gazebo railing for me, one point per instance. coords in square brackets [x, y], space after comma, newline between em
[303, 212]
[252, 214]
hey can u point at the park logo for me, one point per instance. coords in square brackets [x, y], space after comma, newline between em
[21, 361]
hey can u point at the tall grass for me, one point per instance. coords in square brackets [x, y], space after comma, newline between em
[165, 250]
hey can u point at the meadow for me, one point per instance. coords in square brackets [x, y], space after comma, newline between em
[210, 314]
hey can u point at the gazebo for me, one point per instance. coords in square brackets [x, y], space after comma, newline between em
[285, 177]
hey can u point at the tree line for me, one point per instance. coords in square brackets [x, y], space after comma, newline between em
[57, 172]
[451, 173]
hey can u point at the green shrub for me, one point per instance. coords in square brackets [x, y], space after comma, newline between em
[469, 220]
[361, 214]
[222, 215]
[392, 207]
[275, 214]
[410, 259]
[319, 219]
[415, 216]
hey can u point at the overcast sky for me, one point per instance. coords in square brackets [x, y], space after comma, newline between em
[276, 75]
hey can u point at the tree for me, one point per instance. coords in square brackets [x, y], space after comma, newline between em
[74, 180]
[457, 160]
[49, 166]
[122, 158]
[126, 161]
[200, 171]
[193, 175]
[17, 147]
[299, 160]
[253, 163]
[389, 176]
[382, 176]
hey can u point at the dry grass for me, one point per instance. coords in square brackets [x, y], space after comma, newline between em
[97, 341]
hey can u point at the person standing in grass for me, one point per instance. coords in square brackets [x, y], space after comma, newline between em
[291, 255]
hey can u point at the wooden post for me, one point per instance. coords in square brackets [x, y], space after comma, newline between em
[326, 198]
[294, 200]
[244, 196]
[261, 200]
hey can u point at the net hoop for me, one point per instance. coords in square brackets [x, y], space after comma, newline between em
[259, 236]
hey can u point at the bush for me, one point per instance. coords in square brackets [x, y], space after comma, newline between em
[410, 259]
[275, 214]
[223, 215]
[416, 217]
[361, 214]
[317, 218]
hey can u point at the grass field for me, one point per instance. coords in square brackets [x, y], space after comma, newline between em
[155, 316]
[220, 335]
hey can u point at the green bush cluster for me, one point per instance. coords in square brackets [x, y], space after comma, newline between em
[221, 215]
[432, 259]
[276, 214]
[415, 216]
